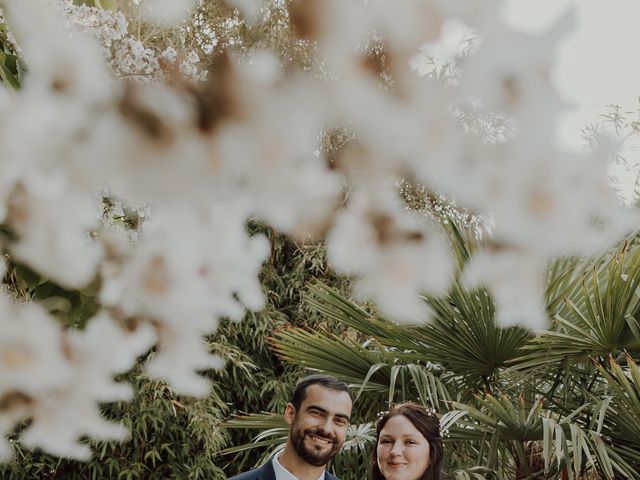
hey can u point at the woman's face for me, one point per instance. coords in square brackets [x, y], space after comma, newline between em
[403, 452]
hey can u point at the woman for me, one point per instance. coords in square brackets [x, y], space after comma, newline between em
[408, 444]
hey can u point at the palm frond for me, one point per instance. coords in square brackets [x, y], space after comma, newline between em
[564, 444]
[463, 337]
[596, 320]
[370, 367]
[622, 423]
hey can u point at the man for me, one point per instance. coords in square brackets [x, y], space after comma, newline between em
[318, 415]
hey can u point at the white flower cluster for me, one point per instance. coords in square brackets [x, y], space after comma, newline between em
[54, 377]
[128, 56]
[208, 157]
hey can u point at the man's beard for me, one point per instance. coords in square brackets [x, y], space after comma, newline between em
[314, 457]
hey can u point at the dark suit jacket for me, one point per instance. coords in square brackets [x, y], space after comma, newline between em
[266, 472]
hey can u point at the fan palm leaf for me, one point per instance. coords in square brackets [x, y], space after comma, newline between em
[516, 403]
[463, 336]
[368, 367]
[596, 320]
[622, 423]
[515, 429]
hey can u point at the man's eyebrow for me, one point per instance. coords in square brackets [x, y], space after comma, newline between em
[324, 410]
[316, 407]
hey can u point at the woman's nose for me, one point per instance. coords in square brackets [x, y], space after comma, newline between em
[396, 449]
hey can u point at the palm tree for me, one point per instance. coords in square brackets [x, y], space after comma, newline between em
[558, 404]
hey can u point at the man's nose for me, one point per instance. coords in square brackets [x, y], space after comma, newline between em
[326, 425]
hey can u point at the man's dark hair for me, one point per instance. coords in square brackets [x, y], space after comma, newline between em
[326, 381]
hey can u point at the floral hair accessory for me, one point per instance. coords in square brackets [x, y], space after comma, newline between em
[430, 411]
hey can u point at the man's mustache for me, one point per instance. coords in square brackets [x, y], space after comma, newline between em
[317, 432]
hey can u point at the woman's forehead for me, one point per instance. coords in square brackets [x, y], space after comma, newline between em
[399, 425]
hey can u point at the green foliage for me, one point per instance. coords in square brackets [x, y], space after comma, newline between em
[174, 436]
[216, 26]
[11, 67]
[171, 438]
[515, 405]
[284, 277]
[354, 459]
[72, 307]
[621, 408]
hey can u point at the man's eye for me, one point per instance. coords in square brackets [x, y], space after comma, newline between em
[385, 441]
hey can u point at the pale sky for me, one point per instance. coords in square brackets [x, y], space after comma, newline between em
[598, 64]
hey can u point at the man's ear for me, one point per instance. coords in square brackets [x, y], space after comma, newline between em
[289, 413]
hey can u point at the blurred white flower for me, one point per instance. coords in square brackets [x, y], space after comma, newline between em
[158, 151]
[52, 223]
[272, 159]
[503, 79]
[204, 158]
[66, 414]
[31, 358]
[515, 279]
[531, 192]
[76, 73]
[263, 66]
[394, 256]
[406, 24]
[249, 9]
[181, 354]
[167, 12]
[57, 378]
[472, 13]
[187, 270]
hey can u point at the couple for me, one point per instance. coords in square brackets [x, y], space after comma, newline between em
[408, 442]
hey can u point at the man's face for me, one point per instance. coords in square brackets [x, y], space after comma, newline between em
[319, 427]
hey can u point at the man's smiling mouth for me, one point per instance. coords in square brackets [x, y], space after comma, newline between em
[321, 440]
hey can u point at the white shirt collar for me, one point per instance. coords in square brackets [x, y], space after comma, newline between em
[284, 474]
